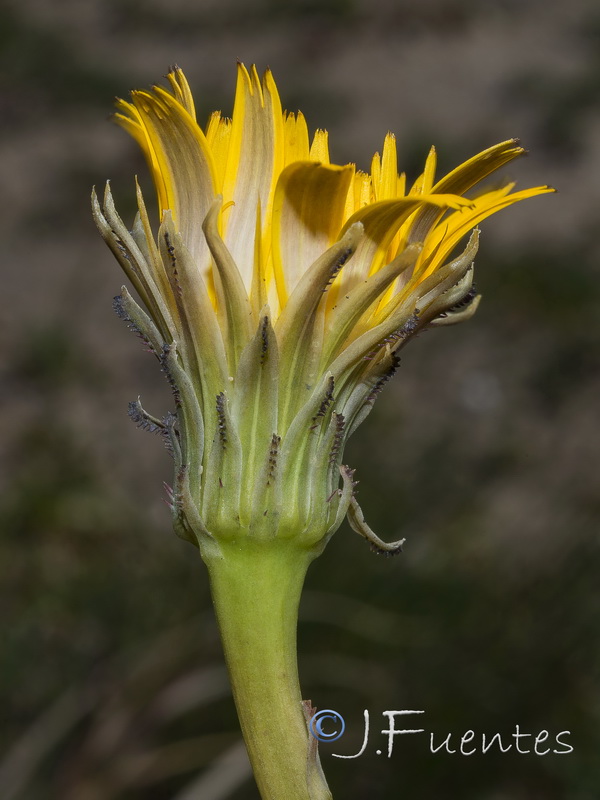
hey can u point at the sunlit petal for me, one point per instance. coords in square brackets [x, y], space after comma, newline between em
[308, 215]
[254, 161]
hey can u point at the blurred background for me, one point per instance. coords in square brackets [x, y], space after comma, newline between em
[484, 451]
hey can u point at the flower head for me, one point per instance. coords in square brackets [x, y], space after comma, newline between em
[278, 292]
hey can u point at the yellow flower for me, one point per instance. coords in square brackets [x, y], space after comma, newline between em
[279, 290]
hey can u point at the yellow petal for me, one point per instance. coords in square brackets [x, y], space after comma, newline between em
[254, 161]
[218, 136]
[184, 162]
[385, 177]
[424, 183]
[401, 185]
[478, 167]
[181, 90]
[130, 120]
[295, 139]
[463, 178]
[360, 194]
[449, 233]
[319, 149]
[308, 212]
[381, 222]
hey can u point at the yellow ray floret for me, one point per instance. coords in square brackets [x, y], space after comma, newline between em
[283, 203]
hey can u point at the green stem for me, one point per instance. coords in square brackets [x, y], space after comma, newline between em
[256, 590]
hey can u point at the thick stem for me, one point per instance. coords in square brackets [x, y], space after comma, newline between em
[256, 590]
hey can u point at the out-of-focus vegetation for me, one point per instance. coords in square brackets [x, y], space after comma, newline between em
[484, 452]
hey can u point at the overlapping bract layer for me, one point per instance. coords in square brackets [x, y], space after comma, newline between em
[278, 290]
